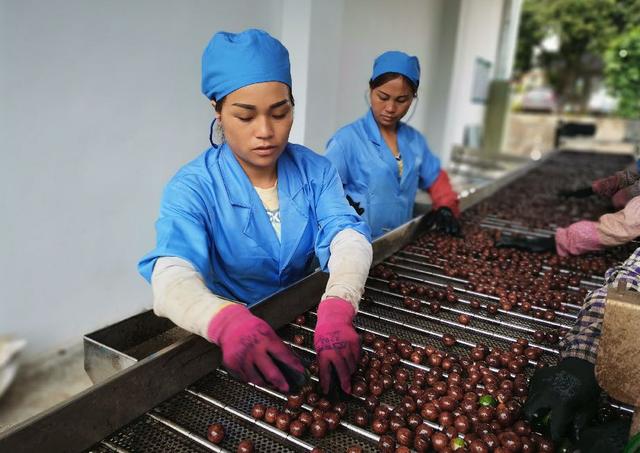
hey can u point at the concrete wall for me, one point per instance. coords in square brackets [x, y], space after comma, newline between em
[101, 105]
[477, 34]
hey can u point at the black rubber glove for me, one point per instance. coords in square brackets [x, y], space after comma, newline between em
[611, 437]
[443, 220]
[355, 205]
[295, 379]
[583, 192]
[536, 245]
[567, 393]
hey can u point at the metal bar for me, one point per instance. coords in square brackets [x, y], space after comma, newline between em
[185, 432]
[597, 283]
[348, 426]
[468, 302]
[498, 220]
[594, 277]
[453, 324]
[112, 447]
[460, 312]
[599, 280]
[510, 313]
[372, 436]
[521, 232]
[247, 418]
[486, 296]
[384, 335]
[517, 227]
[462, 280]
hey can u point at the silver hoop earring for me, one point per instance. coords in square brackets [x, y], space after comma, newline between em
[412, 111]
[367, 98]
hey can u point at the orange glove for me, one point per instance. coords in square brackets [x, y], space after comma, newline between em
[443, 195]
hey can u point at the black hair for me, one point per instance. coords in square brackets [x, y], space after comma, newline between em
[388, 76]
[219, 103]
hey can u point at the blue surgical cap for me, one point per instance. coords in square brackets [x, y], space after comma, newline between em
[400, 62]
[234, 60]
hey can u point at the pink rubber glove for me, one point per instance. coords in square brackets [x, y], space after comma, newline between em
[578, 238]
[336, 341]
[248, 344]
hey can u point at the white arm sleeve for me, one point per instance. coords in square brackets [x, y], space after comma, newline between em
[349, 263]
[180, 294]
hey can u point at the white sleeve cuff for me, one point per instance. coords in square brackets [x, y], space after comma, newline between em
[180, 294]
[349, 263]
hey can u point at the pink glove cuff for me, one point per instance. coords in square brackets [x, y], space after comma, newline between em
[336, 307]
[578, 238]
[220, 321]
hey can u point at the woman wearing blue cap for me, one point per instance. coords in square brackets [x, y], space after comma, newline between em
[383, 161]
[246, 218]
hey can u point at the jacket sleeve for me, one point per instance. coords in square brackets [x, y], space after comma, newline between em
[181, 229]
[607, 187]
[430, 166]
[333, 214]
[349, 264]
[336, 154]
[622, 226]
[180, 294]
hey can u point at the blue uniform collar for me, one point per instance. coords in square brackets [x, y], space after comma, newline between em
[373, 130]
[234, 176]
[293, 205]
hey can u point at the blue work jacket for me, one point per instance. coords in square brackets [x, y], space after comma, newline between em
[212, 216]
[369, 171]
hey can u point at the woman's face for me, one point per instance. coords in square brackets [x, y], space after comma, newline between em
[391, 101]
[256, 120]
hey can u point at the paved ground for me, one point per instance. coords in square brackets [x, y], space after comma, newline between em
[40, 386]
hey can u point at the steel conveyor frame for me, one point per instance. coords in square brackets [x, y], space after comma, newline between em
[92, 415]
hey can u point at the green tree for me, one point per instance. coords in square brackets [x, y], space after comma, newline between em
[530, 35]
[585, 29]
[622, 72]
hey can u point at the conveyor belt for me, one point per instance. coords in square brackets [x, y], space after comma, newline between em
[175, 424]
[180, 423]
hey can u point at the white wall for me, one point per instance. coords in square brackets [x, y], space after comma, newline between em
[344, 38]
[100, 105]
[371, 27]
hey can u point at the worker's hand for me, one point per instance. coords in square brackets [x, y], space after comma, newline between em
[337, 343]
[566, 393]
[355, 205]
[251, 350]
[443, 220]
[609, 437]
[583, 192]
[536, 245]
